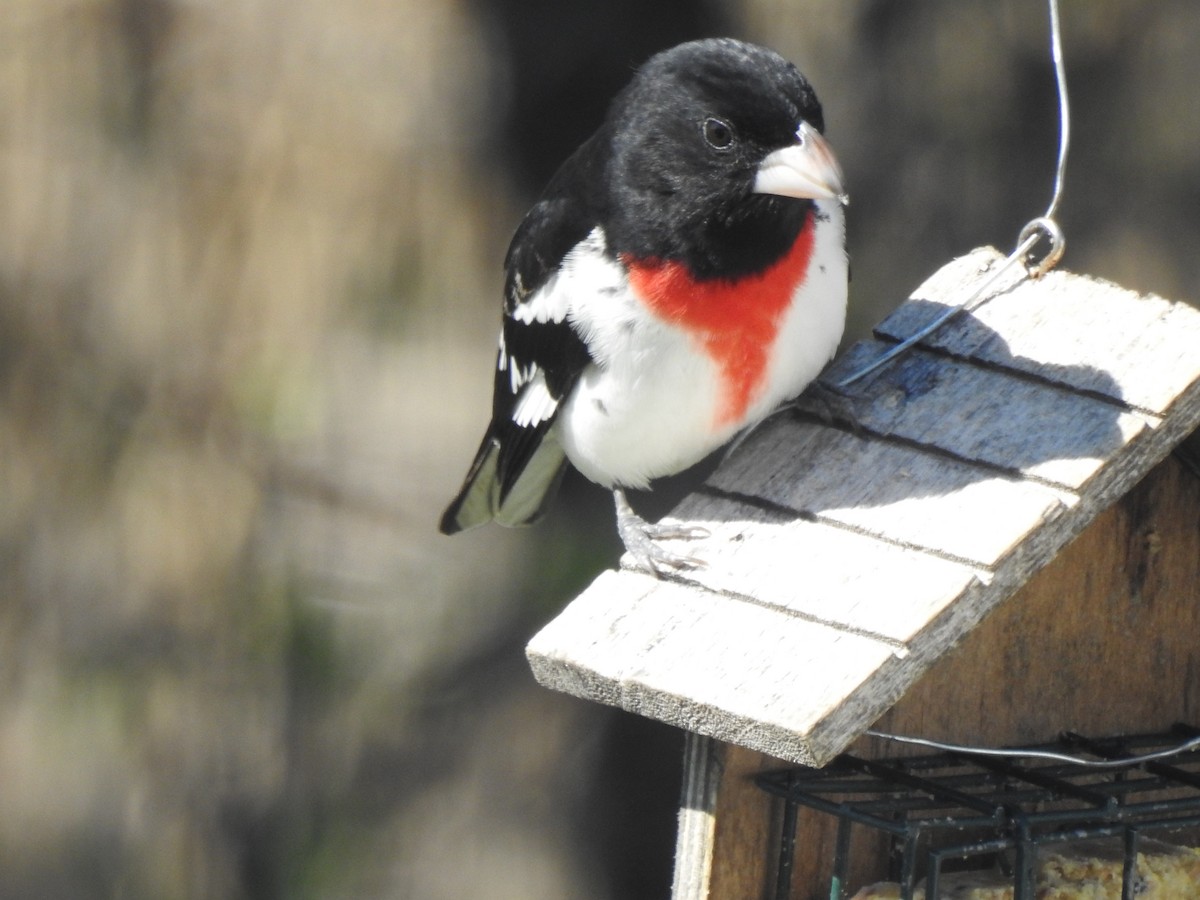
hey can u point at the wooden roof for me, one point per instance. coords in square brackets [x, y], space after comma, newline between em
[842, 565]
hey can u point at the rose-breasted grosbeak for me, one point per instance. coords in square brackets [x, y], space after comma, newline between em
[682, 274]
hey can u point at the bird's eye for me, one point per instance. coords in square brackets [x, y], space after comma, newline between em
[718, 133]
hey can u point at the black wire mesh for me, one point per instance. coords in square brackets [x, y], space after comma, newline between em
[954, 810]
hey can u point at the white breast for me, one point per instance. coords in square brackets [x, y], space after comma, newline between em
[647, 406]
[813, 325]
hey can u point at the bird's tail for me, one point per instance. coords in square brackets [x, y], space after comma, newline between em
[483, 497]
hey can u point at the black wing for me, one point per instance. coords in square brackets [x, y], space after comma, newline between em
[541, 356]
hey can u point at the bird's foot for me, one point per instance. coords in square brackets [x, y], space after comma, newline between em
[833, 405]
[641, 540]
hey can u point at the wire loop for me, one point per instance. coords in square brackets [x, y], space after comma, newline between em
[1044, 227]
[1034, 230]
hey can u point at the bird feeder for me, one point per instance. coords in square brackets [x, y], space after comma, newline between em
[1004, 548]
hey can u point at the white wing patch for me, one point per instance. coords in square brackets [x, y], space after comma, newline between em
[536, 404]
[587, 280]
[552, 303]
[549, 303]
[519, 376]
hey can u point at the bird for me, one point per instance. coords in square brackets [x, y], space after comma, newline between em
[683, 274]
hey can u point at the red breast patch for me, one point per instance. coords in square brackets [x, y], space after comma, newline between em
[735, 322]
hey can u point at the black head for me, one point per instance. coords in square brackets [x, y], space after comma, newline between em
[688, 136]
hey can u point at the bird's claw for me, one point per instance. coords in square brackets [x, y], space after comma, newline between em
[641, 540]
[658, 561]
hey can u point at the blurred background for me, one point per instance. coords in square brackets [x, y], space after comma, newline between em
[249, 291]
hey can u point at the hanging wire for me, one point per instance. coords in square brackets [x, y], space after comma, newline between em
[1017, 753]
[1044, 227]
[1064, 109]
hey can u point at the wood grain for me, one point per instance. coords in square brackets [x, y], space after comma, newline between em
[967, 410]
[840, 566]
[1103, 640]
[1084, 333]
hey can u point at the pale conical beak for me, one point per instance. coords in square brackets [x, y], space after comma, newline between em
[806, 170]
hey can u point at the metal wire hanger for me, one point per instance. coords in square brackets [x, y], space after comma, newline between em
[1043, 227]
[1034, 753]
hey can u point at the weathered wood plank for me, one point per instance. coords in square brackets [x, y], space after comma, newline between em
[735, 670]
[685, 656]
[893, 492]
[1088, 334]
[830, 575]
[1063, 437]
[841, 568]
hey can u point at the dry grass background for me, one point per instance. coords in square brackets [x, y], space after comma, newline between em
[249, 265]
